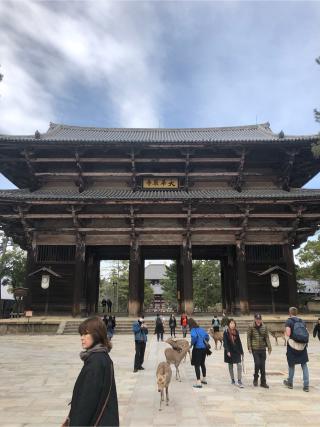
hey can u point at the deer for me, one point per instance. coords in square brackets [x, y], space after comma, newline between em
[164, 374]
[217, 336]
[174, 357]
[179, 345]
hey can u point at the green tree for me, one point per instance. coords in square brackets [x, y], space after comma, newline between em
[309, 260]
[13, 266]
[206, 284]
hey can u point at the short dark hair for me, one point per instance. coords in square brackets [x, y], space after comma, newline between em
[97, 329]
[231, 320]
[192, 323]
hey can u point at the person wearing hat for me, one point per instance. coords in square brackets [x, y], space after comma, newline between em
[258, 340]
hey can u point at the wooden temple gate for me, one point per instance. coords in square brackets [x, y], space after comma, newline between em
[231, 194]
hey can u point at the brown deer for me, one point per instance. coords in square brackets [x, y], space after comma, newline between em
[164, 374]
[179, 345]
[217, 336]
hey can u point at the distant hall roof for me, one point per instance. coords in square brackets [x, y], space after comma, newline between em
[67, 133]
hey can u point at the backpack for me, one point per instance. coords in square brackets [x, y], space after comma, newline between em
[299, 332]
[216, 323]
[184, 321]
[158, 321]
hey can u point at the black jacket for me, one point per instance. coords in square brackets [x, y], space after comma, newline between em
[235, 348]
[90, 393]
[316, 330]
[172, 322]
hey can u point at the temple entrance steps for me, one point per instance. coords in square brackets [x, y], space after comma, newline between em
[124, 325]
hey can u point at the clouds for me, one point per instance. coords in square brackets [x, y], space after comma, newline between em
[51, 51]
[183, 64]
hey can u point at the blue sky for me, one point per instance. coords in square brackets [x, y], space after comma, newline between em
[167, 64]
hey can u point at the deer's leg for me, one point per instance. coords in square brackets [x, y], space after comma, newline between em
[276, 338]
[167, 396]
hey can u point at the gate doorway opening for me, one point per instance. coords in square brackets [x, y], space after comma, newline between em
[113, 286]
[207, 289]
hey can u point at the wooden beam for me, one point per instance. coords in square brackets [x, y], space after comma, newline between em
[156, 174]
[127, 160]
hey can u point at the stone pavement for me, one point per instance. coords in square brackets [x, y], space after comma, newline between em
[38, 374]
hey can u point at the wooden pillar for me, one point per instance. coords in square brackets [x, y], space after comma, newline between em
[92, 281]
[292, 281]
[242, 285]
[79, 275]
[135, 294]
[179, 286]
[30, 268]
[186, 277]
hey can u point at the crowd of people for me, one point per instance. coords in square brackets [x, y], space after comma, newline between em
[94, 399]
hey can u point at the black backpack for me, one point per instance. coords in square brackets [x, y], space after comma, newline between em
[299, 332]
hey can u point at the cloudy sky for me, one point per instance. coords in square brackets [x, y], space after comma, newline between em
[159, 63]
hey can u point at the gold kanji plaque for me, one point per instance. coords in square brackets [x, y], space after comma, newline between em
[160, 183]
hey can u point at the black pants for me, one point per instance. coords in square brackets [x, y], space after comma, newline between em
[139, 356]
[173, 331]
[109, 308]
[259, 357]
[203, 369]
[160, 334]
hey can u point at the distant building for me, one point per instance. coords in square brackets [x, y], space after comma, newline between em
[155, 273]
[311, 287]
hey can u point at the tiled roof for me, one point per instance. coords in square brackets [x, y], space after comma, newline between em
[155, 195]
[66, 133]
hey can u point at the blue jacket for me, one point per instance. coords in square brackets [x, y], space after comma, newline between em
[140, 334]
[197, 337]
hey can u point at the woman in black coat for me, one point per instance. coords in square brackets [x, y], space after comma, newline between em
[94, 399]
[233, 351]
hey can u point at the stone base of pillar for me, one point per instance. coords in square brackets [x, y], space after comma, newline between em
[134, 308]
[187, 306]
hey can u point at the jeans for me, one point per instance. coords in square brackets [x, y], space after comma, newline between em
[259, 357]
[173, 331]
[160, 334]
[239, 371]
[305, 373]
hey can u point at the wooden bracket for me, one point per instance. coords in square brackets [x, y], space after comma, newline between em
[238, 181]
[34, 181]
[80, 181]
[285, 177]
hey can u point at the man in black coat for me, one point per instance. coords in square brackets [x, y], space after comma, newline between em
[316, 329]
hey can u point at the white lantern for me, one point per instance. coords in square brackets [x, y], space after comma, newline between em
[45, 281]
[275, 282]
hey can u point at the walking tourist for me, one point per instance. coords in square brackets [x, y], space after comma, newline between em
[258, 340]
[233, 351]
[184, 324]
[109, 304]
[199, 338]
[316, 329]
[172, 325]
[297, 354]
[215, 323]
[110, 327]
[224, 320]
[140, 331]
[159, 329]
[94, 399]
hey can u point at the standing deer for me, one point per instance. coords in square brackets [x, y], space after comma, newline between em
[164, 374]
[174, 357]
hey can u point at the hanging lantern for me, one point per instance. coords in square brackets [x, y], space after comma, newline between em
[275, 282]
[45, 281]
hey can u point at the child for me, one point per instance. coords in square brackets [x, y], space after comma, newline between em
[233, 350]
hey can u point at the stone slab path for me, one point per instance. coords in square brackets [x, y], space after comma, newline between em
[38, 373]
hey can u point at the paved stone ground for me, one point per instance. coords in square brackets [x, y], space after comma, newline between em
[38, 374]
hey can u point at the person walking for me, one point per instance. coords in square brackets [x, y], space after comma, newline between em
[159, 329]
[172, 325]
[110, 328]
[94, 399]
[184, 324]
[199, 337]
[316, 329]
[140, 331]
[258, 340]
[297, 354]
[103, 304]
[109, 304]
[215, 324]
[233, 351]
[224, 320]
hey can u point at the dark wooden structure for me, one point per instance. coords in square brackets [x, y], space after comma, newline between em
[87, 194]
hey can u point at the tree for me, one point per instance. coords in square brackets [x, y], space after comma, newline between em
[206, 284]
[316, 147]
[309, 260]
[13, 266]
